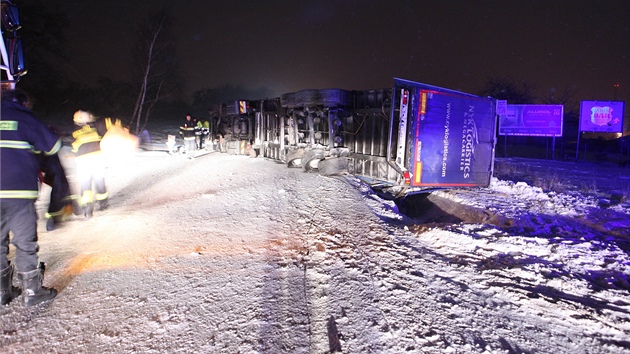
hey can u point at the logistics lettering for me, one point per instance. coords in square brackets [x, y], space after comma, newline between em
[447, 124]
[469, 141]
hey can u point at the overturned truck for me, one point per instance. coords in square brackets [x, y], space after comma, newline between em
[409, 139]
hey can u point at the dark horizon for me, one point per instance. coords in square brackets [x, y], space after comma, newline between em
[288, 46]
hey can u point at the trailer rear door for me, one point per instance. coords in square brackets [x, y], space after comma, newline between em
[451, 137]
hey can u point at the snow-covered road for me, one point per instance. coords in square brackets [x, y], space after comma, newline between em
[230, 254]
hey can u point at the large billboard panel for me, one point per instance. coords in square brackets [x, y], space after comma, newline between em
[532, 120]
[601, 116]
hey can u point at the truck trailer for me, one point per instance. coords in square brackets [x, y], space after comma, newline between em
[411, 138]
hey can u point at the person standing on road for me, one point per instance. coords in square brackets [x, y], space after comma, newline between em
[21, 136]
[187, 131]
[53, 174]
[90, 161]
[60, 206]
[203, 128]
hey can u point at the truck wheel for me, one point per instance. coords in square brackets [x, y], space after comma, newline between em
[311, 159]
[334, 166]
[294, 158]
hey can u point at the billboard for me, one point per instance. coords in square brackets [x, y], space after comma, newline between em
[532, 120]
[601, 116]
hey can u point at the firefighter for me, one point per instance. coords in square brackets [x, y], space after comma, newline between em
[21, 135]
[90, 161]
[53, 174]
[60, 205]
[202, 131]
[187, 131]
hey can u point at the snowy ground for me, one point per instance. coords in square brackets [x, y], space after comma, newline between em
[231, 254]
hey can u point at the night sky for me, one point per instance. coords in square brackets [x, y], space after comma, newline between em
[292, 45]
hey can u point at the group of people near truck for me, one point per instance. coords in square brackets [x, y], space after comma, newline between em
[195, 134]
[29, 156]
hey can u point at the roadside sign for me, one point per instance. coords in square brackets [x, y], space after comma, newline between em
[501, 107]
[601, 116]
[532, 120]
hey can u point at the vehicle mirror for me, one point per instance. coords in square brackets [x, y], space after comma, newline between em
[10, 16]
[17, 63]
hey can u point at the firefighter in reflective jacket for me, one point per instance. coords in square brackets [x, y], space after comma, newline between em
[187, 131]
[53, 174]
[202, 131]
[90, 162]
[21, 136]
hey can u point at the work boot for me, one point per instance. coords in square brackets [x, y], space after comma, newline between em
[50, 224]
[33, 291]
[8, 292]
[76, 208]
[55, 220]
[67, 212]
[88, 210]
[103, 204]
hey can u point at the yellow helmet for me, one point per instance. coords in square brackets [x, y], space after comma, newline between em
[82, 117]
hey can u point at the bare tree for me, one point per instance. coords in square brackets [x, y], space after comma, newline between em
[565, 97]
[155, 57]
[502, 88]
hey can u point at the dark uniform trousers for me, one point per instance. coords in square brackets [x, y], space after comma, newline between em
[19, 216]
[91, 169]
[55, 177]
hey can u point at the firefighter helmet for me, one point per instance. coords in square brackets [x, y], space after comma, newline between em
[82, 117]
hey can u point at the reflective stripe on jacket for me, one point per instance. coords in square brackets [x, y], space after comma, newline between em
[21, 136]
[188, 129]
